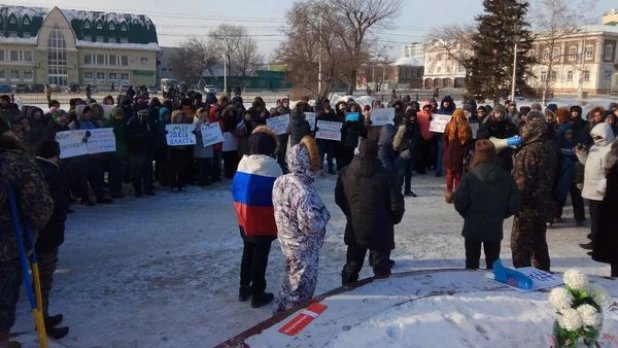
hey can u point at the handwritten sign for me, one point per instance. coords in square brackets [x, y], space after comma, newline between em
[438, 123]
[211, 134]
[101, 140]
[72, 144]
[230, 142]
[279, 124]
[381, 117]
[329, 130]
[310, 117]
[180, 134]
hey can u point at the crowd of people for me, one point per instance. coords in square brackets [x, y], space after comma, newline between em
[562, 154]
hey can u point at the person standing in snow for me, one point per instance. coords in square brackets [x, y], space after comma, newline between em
[301, 218]
[406, 142]
[534, 170]
[252, 190]
[487, 195]
[499, 126]
[298, 127]
[594, 175]
[456, 142]
[368, 196]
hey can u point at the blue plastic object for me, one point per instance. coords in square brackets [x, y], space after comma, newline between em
[352, 117]
[514, 141]
[512, 277]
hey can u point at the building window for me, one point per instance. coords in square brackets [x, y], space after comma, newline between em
[543, 76]
[26, 35]
[113, 77]
[124, 79]
[111, 60]
[609, 53]
[112, 26]
[99, 25]
[88, 59]
[57, 58]
[587, 76]
[14, 55]
[100, 59]
[557, 54]
[2, 75]
[589, 52]
[26, 20]
[143, 61]
[87, 24]
[554, 76]
[12, 20]
[100, 78]
[546, 53]
[28, 76]
[88, 77]
[124, 40]
[572, 52]
[570, 76]
[1, 55]
[87, 38]
[27, 56]
[123, 27]
[14, 75]
[124, 60]
[438, 70]
[100, 39]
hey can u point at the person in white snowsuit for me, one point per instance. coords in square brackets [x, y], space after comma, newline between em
[301, 219]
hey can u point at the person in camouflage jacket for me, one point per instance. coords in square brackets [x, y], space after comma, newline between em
[35, 205]
[533, 171]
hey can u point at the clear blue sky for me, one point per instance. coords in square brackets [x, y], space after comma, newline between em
[180, 19]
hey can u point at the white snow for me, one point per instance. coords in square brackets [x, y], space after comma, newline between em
[153, 46]
[21, 11]
[407, 61]
[18, 40]
[118, 18]
[163, 272]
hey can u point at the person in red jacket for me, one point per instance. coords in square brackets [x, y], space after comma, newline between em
[424, 118]
[456, 141]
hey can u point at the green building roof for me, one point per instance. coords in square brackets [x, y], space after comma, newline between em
[114, 28]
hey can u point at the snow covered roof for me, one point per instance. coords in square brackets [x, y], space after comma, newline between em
[17, 40]
[407, 61]
[153, 46]
[21, 21]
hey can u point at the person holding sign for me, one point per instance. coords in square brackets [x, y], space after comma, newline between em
[119, 158]
[141, 137]
[179, 157]
[327, 147]
[457, 140]
[353, 129]
[202, 154]
[298, 127]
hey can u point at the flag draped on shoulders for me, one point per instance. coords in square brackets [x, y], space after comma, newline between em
[252, 192]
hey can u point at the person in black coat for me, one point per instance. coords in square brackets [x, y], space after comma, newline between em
[51, 237]
[500, 127]
[327, 147]
[141, 139]
[606, 242]
[406, 142]
[367, 194]
[353, 129]
[298, 127]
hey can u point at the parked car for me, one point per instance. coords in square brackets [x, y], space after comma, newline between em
[5, 89]
[37, 88]
[210, 89]
[73, 88]
[20, 88]
[55, 88]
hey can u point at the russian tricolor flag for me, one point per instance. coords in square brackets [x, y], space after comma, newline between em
[252, 190]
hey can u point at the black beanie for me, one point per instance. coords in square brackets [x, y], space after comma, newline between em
[262, 143]
[47, 149]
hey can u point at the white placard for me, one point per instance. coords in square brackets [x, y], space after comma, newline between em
[279, 124]
[72, 143]
[211, 134]
[329, 130]
[475, 129]
[101, 140]
[381, 117]
[180, 134]
[438, 123]
[310, 117]
[230, 142]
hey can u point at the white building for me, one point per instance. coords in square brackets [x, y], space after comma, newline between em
[415, 50]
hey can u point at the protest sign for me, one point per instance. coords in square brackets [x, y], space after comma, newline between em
[180, 134]
[475, 129]
[230, 142]
[352, 117]
[310, 117]
[279, 124]
[72, 143]
[381, 117]
[329, 130]
[211, 134]
[101, 140]
[439, 122]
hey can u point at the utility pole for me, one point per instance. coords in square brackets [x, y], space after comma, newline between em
[514, 72]
[225, 75]
[320, 60]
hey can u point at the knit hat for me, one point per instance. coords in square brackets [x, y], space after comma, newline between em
[484, 151]
[607, 113]
[58, 113]
[367, 108]
[500, 108]
[613, 106]
[483, 108]
[535, 125]
[468, 107]
[47, 149]
[552, 107]
[536, 106]
[263, 141]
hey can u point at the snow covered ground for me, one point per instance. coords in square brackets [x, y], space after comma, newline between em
[163, 272]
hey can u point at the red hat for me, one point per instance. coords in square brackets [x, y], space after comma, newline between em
[367, 108]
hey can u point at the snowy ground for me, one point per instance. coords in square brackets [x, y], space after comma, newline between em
[163, 272]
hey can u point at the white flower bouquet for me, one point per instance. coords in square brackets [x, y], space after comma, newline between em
[580, 311]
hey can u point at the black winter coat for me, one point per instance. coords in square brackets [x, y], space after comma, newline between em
[141, 135]
[352, 132]
[502, 130]
[52, 235]
[606, 245]
[367, 195]
[297, 129]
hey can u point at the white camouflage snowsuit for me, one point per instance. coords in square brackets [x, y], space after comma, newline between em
[301, 218]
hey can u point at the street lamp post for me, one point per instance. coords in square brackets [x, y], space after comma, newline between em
[514, 72]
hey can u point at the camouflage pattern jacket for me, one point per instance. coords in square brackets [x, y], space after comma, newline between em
[34, 201]
[534, 170]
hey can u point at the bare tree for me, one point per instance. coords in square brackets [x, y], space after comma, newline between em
[454, 40]
[246, 60]
[226, 40]
[193, 58]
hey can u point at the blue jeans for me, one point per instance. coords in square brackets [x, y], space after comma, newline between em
[439, 168]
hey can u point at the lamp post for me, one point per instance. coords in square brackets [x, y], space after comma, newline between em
[514, 71]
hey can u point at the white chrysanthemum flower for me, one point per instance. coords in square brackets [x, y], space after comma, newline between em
[570, 320]
[600, 296]
[590, 316]
[560, 298]
[576, 279]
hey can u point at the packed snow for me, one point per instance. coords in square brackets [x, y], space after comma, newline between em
[163, 271]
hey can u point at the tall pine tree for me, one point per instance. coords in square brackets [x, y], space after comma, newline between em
[491, 66]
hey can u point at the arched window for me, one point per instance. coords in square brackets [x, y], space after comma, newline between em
[87, 24]
[57, 58]
[572, 52]
[26, 20]
[12, 19]
[123, 27]
[112, 26]
[99, 25]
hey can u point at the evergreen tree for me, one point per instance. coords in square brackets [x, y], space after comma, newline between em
[490, 71]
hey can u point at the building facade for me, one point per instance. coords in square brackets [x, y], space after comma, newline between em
[415, 50]
[62, 47]
[441, 68]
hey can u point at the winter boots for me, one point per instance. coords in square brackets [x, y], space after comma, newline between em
[262, 299]
[409, 193]
[53, 331]
[448, 197]
[244, 293]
